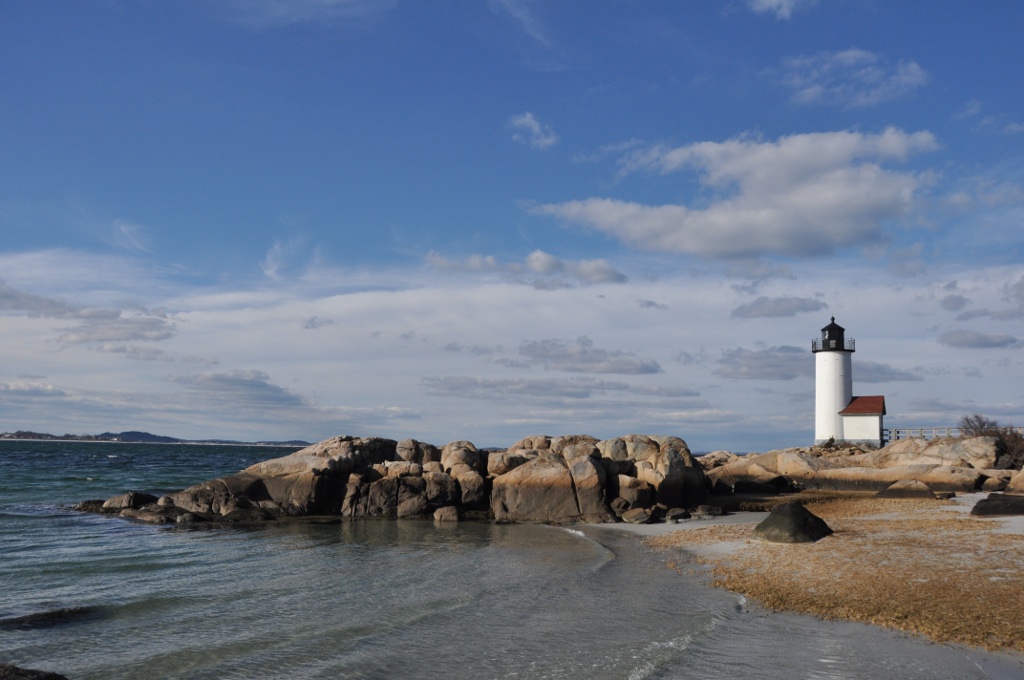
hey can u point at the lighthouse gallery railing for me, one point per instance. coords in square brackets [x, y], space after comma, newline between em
[821, 344]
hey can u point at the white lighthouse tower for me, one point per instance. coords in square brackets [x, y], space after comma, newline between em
[833, 378]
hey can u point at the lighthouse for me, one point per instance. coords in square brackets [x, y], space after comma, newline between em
[838, 415]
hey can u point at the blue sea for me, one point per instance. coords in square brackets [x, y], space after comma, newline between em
[95, 596]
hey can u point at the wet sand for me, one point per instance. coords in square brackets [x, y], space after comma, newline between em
[920, 566]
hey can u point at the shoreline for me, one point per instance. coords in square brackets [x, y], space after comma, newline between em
[920, 567]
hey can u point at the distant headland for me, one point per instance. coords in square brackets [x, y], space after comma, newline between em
[135, 437]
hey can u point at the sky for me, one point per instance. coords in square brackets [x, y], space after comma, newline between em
[491, 219]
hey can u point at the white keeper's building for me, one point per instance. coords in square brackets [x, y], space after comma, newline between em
[838, 415]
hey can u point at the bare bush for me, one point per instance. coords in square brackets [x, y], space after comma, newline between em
[1009, 440]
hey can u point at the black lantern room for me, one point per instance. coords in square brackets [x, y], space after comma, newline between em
[833, 339]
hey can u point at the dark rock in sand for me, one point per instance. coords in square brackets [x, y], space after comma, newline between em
[792, 523]
[908, 488]
[999, 504]
[16, 673]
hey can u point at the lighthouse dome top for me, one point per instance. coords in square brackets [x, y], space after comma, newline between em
[833, 339]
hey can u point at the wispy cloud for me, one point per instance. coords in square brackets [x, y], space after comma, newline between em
[965, 339]
[522, 13]
[851, 78]
[778, 306]
[270, 13]
[130, 236]
[127, 329]
[874, 372]
[801, 195]
[581, 356]
[527, 129]
[775, 363]
[782, 9]
[492, 389]
[15, 300]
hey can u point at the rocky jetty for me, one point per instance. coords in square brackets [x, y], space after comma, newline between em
[538, 479]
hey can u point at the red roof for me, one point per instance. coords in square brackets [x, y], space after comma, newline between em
[865, 406]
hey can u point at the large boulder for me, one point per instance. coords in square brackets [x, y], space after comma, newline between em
[937, 477]
[974, 452]
[540, 490]
[335, 456]
[1016, 484]
[417, 452]
[462, 453]
[710, 461]
[665, 463]
[792, 523]
[589, 481]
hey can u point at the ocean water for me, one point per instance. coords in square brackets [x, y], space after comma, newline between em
[98, 597]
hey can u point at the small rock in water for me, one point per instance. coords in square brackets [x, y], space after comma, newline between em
[16, 673]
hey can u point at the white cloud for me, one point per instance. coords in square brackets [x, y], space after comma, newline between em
[801, 195]
[28, 390]
[527, 129]
[644, 370]
[549, 269]
[782, 9]
[850, 78]
[138, 328]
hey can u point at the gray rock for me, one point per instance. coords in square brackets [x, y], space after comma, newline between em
[132, 499]
[448, 513]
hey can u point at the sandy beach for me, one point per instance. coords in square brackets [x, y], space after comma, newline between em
[926, 567]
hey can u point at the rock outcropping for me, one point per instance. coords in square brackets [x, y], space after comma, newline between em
[538, 479]
[949, 464]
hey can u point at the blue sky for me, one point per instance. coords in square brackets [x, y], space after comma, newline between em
[483, 220]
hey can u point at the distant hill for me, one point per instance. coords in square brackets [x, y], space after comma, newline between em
[135, 437]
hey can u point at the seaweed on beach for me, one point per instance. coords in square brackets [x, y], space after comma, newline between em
[909, 565]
